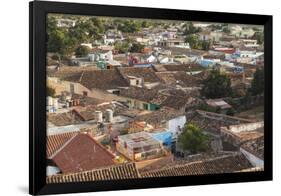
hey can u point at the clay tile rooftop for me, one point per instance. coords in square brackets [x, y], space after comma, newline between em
[225, 164]
[55, 142]
[82, 153]
[116, 172]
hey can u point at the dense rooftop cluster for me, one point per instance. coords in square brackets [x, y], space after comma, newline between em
[121, 99]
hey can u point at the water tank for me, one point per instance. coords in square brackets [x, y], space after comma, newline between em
[91, 57]
[98, 116]
[109, 115]
[49, 101]
[67, 98]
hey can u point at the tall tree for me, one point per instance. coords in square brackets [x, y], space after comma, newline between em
[193, 139]
[192, 40]
[191, 29]
[257, 86]
[217, 85]
[136, 47]
[82, 51]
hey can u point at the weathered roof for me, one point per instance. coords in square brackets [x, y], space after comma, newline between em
[178, 78]
[88, 112]
[139, 140]
[173, 98]
[55, 142]
[142, 94]
[103, 79]
[158, 116]
[92, 78]
[177, 100]
[185, 67]
[72, 73]
[116, 172]
[62, 119]
[226, 164]
[85, 100]
[146, 73]
[211, 121]
[81, 153]
[245, 131]
[255, 147]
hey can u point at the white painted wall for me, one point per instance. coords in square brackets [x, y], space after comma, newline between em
[173, 124]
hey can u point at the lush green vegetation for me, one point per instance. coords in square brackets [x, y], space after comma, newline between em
[257, 86]
[217, 85]
[129, 26]
[195, 43]
[259, 37]
[191, 29]
[122, 47]
[136, 47]
[193, 139]
[65, 40]
[81, 51]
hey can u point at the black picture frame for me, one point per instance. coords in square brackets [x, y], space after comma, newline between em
[37, 95]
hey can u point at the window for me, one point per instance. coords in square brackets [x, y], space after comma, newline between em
[145, 106]
[85, 93]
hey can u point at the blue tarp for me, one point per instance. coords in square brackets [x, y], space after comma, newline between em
[238, 69]
[206, 63]
[165, 137]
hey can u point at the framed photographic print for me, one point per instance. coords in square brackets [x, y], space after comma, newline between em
[130, 97]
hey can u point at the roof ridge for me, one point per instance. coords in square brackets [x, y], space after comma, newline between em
[64, 145]
[82, 74]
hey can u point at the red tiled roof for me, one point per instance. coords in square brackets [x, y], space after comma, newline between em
[116, 172]
[82, 153]
[55, 142]
[227, 164]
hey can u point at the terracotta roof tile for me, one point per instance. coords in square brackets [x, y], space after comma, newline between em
[146, 73]
[156, 117]
[82, 153]
[55, 142]
[103, 79]
[178, 78]
[226, 164]
[116, 172]
[63, 119]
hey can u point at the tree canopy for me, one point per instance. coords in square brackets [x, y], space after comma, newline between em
[136, 47]
[193, 139]
[65, 40]
[259, 37]
[217, 85]
[191, 29]
[257, 86]
[122, 47]
[195, 43]
[129, 26]
[82, 51]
